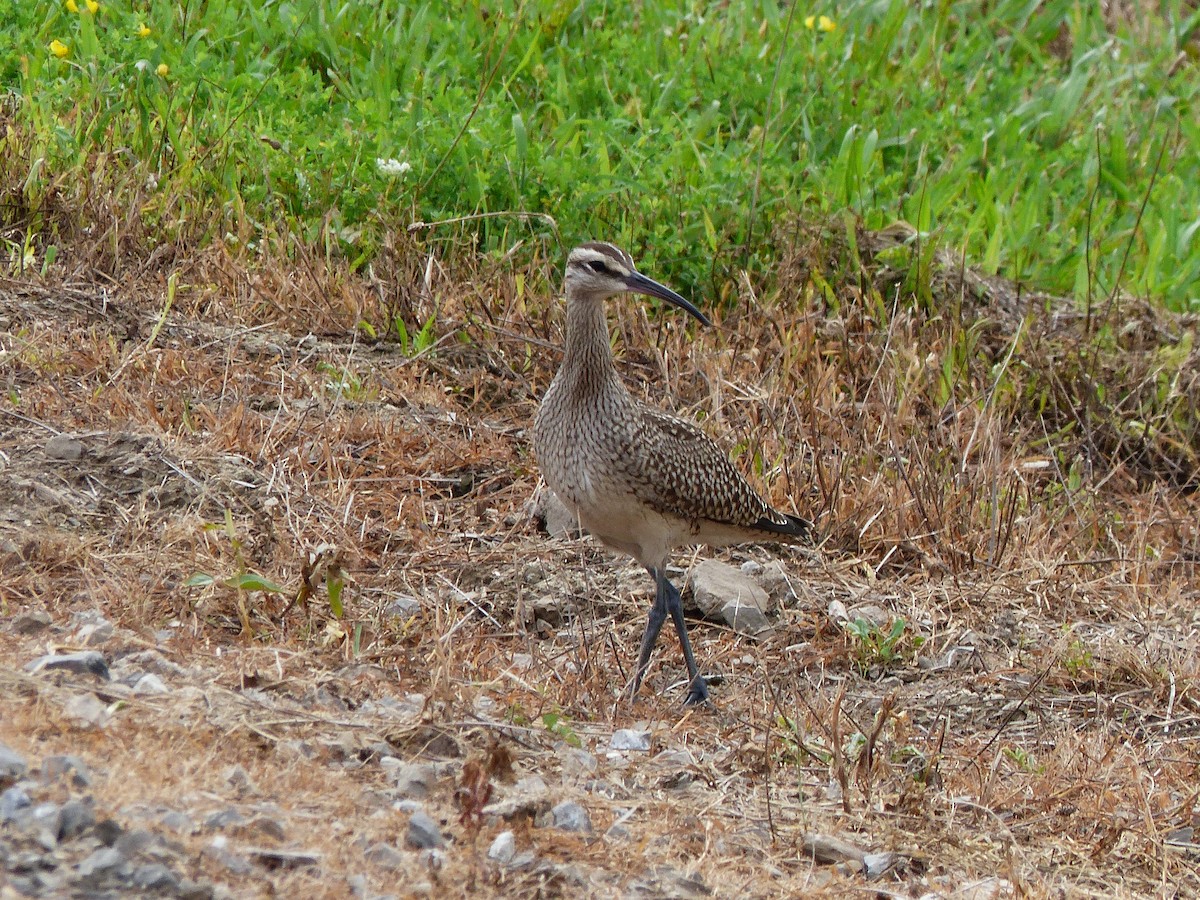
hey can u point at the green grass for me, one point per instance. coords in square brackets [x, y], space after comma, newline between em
[1041, 140]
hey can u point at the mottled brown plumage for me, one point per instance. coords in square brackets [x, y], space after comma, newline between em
[641, 481]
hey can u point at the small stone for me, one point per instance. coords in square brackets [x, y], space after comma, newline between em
[877, 864]
[95, 632]
[265, 825]
[629, 739]
[155, 877]
[56, 766]
[577, 763]
[87, 662]
[837, 612]
[223, 818]
[101, 862]
[108, 832]
[133, 842]
[76, 817]
[554, 516]
[218, 852]
[385, 856]
[412, 780]
[32, 622]
[14, 804]
[64, 447]
[284, 859]
[239, 779]
[423, 833]
[12, 764]
[195, 890]
[150, 684]
[177, 821]
[45, 820]
[570, 816]
[722, 592]
[86, 711]
[402, 606]
[873, 613]
[503, 848]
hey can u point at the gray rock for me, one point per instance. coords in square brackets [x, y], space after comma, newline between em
[44, 821]
[284, 859]
[195, 890]
[402, 606]
[554, 516]
[629, 739]
[155, 877]
[272, 828]
[385, 856]
[503, 848]
[570, 816]
[177, 821]
[150, 684]
[64, 447]
[223, 818]
[878, 864]
[95, 632]
[723, 593]
[413, 780]
[86, 711]
[577, 763]
[423, 833]
[101, 862]
[54, 767]
[87, 662]
[15, 805]
[31, 622]
[220, 853]
[134, 841]
[75, 817]
[12, 764]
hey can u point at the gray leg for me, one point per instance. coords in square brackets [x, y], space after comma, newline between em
[667, 601]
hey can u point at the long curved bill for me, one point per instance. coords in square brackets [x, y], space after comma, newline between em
[640, 284]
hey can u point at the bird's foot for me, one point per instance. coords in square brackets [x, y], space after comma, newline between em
[697, 692]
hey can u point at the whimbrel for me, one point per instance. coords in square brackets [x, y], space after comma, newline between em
[641, 481]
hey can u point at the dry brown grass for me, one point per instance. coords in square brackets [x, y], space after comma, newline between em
[969, 460]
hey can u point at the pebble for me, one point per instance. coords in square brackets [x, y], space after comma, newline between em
[223, 818]
[385, 856]
[96, 632]
[12, 764]
[423, 833]
[403, 606]
[629, 739]
[64, 447]
[87, 662]
[150, 684]
[503, 848]
[577, 763]
[86, 711]
[13, 804]
[75, 817]
[101, 862]
[570, 816]
[155, 877]
[56, 766]
[722, 592]
[31, 622]
[412, 780]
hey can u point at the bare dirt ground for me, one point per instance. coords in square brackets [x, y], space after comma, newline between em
[1032, 729]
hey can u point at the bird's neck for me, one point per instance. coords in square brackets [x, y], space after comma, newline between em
[587, 367]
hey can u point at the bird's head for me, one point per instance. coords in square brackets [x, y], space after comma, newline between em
[597, 270]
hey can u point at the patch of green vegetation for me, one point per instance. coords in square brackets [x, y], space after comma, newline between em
[875, 646]
[1051, 142]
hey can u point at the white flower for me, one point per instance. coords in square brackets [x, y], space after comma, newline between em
[392, 167]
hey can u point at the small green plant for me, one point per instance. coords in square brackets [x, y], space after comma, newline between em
[243, 581]
[1023, 760]
[874, 646]
[421, 341]
[344, 384]
[1078, 659]
[556, 724]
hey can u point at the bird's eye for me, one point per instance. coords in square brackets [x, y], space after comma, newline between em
[598, 266]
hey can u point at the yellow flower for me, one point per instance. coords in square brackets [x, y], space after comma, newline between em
[820, 23]
[93, 6]
[58, 48]
[72, 6]
[143, 30]
[162, 70]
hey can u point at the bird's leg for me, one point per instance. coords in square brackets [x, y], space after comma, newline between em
[658, 615]
[669, 595]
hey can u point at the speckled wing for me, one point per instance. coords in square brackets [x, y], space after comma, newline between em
[682, 472]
